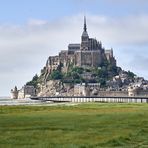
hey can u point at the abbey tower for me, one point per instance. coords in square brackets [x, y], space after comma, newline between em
[88, 53]
[91, 53]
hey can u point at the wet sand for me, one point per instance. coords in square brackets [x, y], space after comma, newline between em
[29, 102]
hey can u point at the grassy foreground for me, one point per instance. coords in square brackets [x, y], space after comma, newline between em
[84, 125]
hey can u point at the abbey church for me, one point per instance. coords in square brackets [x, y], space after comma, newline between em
[88, 53]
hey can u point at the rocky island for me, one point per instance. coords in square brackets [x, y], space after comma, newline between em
[85, 69]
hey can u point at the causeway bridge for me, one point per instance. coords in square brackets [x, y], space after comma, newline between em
[81, 99]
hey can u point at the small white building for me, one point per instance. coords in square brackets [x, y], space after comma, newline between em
[132, 91]
[14, 93]
[86, 90]
[79, 90]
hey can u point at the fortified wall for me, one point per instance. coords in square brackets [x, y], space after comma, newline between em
[113, 93]
[93, 89]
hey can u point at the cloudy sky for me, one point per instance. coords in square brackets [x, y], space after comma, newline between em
[32, 30]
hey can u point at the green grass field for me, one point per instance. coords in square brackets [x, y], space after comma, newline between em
[84, 125]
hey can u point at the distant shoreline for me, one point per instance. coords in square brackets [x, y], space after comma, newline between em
[5, 97]
[29, 102]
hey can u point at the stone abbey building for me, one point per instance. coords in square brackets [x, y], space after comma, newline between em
[88, 53]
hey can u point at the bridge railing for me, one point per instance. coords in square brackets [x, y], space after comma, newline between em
[93, 99]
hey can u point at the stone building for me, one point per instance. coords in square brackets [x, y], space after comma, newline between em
[110, 57]
[132, 91]
[14, 93]
[91, 52]
[88, 53]
[25, 92]
[79, 90]
[84, 89]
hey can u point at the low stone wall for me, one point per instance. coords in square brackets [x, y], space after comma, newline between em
[143, 93]
[113, 93]
[121, 93]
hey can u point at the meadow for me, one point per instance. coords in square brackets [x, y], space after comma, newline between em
[87, 125]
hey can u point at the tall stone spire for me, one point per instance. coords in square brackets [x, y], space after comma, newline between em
[85, 34]
[85, 27]
[84, 37]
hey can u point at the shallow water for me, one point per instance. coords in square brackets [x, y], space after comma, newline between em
[9, 101]
[28, 101]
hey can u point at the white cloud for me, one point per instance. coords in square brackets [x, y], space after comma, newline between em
[36, 22]
[24, 49]
[132, 29]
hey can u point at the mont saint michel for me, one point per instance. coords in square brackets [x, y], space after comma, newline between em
[84, 69]
[77, 74]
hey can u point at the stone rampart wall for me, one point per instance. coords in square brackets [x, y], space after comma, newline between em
[143, 93]
[121, 93]
[113, 93]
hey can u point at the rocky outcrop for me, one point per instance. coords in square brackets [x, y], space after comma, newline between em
[56, 88]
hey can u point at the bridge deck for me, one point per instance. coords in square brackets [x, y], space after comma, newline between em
[93, 99]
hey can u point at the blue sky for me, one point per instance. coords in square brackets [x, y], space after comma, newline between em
[32, 30]
[18, 11]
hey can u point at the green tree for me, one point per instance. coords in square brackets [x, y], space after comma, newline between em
[102, 82]
[78, 70]
[75, 75]
[131, 74]
[34, 81]
[102, 73]
[56, 75]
